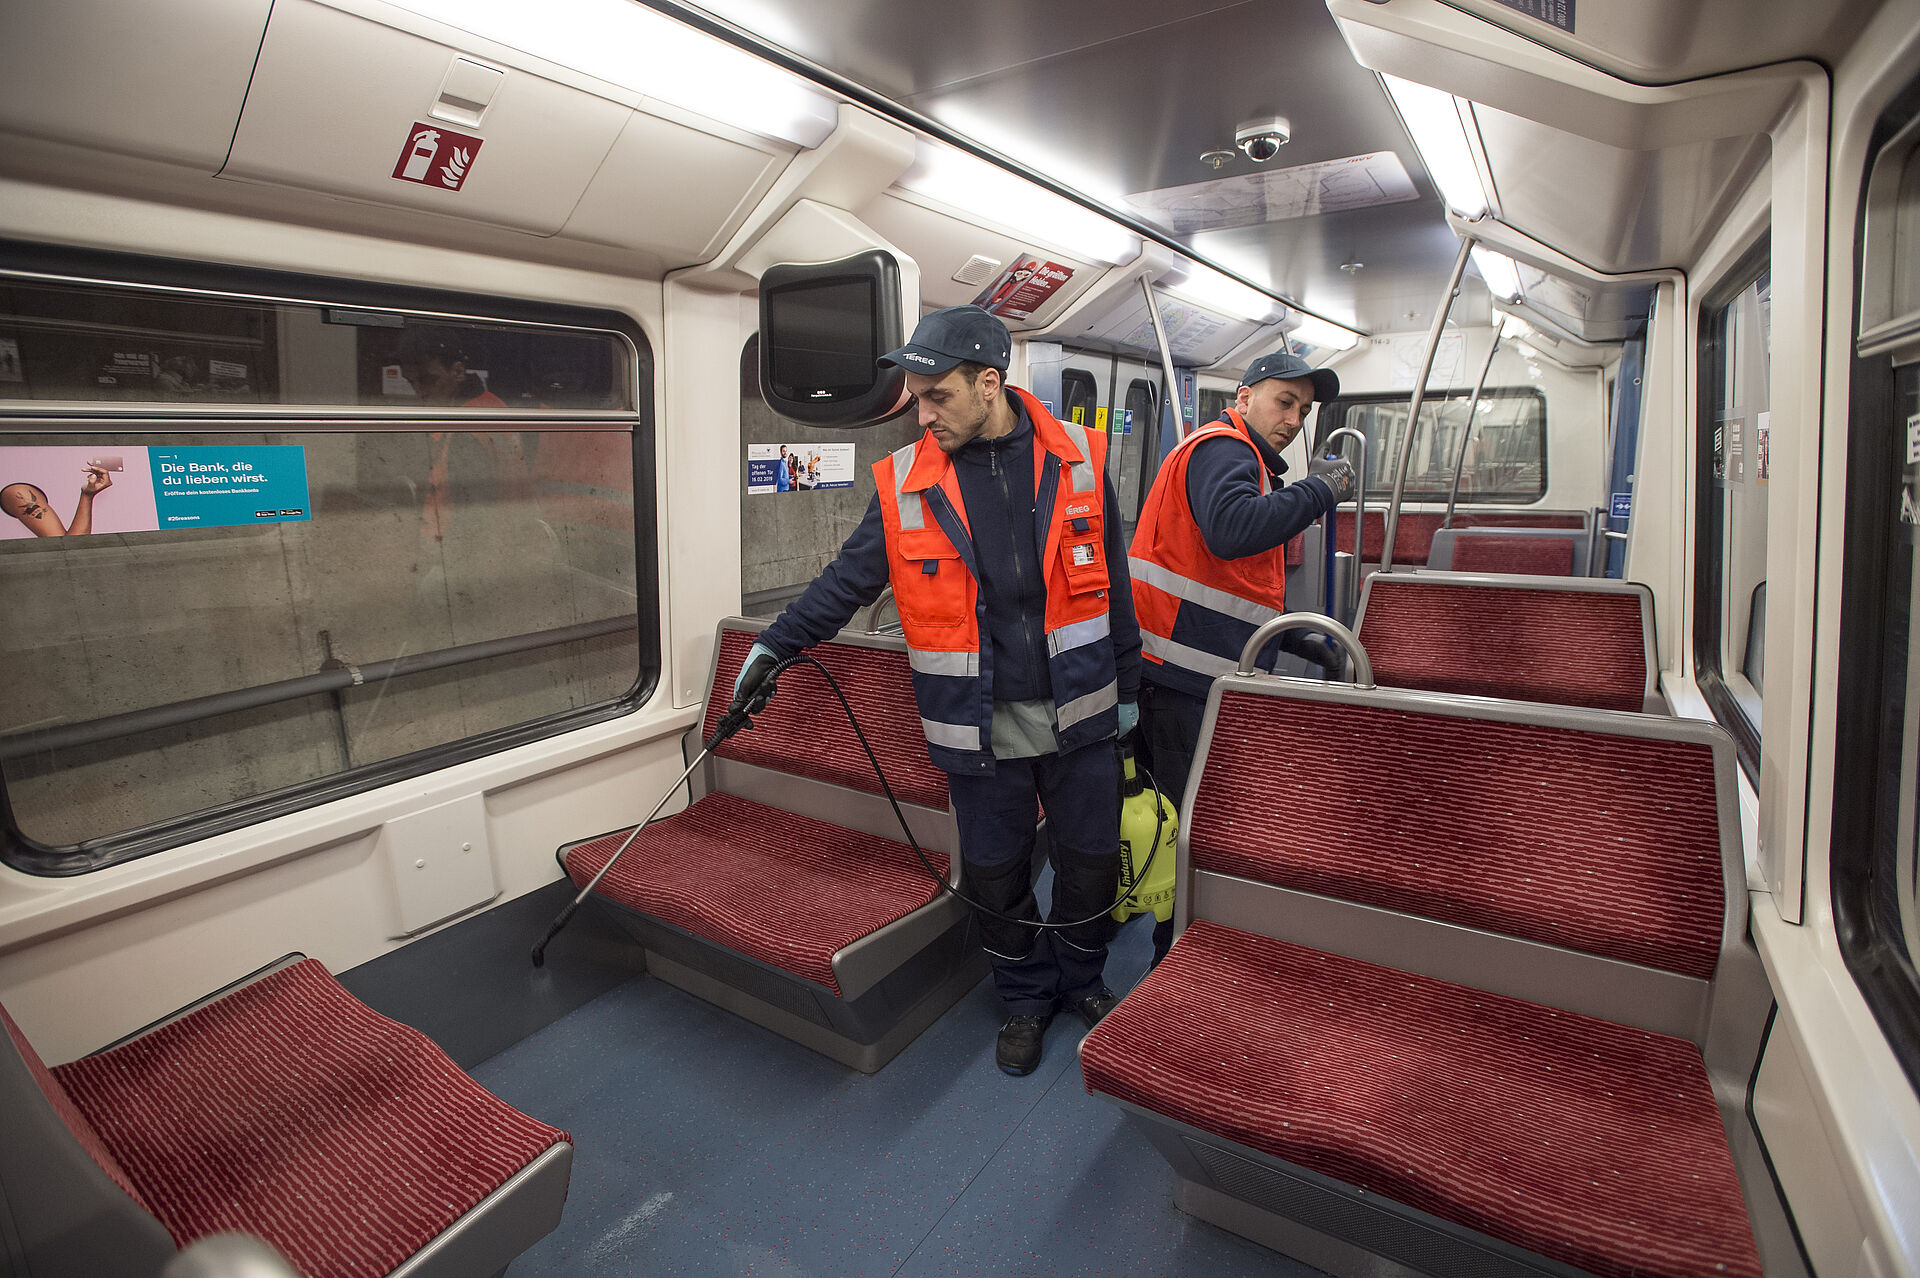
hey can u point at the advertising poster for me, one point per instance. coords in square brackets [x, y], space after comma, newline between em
[1023, 288]
[794, 468]
[66, 491]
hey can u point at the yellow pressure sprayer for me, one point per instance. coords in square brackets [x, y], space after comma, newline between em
[1143, 810]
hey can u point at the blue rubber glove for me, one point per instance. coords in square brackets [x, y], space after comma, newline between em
[753, 672]
[1129, 717]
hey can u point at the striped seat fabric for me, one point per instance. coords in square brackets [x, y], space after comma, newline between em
[289, 1110]
[1562, 647]
[1605, 844]
[804, 731]
[1413, 535]
[1588, 1142]
[1533, 556]
[752, 878]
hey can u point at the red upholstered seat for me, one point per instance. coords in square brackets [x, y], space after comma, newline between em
[1589, 1142]
[805, 732]
[1511, 827]
[1564, 647]
[290, 1110]
[1534, 556]
[752, 877]
[83, 1131]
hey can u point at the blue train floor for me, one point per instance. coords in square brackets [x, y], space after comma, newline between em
[705, 1144]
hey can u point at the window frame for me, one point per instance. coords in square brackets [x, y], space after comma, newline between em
[1709, 570]
[21, 852]
[1881, 964]
[1382, 470]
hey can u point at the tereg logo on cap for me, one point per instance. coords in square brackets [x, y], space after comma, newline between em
[923, 359]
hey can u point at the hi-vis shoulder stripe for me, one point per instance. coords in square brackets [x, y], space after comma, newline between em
[1084, 480]
[913, 512]
[1194, 592]
[1220, 430]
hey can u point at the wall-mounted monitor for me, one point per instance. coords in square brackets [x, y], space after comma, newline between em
[822, 327]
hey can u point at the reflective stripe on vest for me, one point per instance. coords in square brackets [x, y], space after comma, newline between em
[1178, 654]
[913, 511]
[1166, 579]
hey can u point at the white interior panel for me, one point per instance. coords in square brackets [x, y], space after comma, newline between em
[334, 98]
[104, 74]
[672, 189]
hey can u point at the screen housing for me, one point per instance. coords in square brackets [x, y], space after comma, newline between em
[823, 326]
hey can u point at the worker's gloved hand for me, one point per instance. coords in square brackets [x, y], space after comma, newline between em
[1129, 716]
[1337, 474]
[753, 689]
[1314, 647]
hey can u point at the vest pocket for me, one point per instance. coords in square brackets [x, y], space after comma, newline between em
[930, 583]
[1083, 553]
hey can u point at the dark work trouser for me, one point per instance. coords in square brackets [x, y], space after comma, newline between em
[1170, 729]
[1036, 972]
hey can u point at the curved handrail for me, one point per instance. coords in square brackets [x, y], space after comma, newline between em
[872, 624]
[1359, 513]
[1466, 433]
[1362, 669]
[1419, 398]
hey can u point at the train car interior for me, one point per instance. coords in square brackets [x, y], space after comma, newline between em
[415, 413]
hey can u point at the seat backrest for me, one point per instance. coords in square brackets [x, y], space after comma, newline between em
[1541, 556]
[804, 732]
[1562, 641]
[1602, 833]
[1413, 534]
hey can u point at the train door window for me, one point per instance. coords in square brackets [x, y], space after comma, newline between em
[1079, 396]
[1506, 458]
[213, 610]
[1214, 404]
[1138, 417]
[1735, 460]
[1876, 799]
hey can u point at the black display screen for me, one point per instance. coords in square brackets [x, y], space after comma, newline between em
[822, 339]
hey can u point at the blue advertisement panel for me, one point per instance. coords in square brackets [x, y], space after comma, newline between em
[219, 486]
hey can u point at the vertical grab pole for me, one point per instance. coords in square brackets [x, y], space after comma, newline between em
[1166, 364]
[1413, 411]
[1359, 508]
[1473, 406]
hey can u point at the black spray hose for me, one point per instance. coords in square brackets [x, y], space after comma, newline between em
[740, 715]
[1159, 821]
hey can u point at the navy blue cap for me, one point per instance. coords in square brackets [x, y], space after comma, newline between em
[950, 336]
[1326, 382]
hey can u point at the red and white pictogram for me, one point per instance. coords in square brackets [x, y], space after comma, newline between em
[435, 155]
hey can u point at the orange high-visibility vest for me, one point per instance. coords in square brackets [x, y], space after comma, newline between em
[1197, 610]
[936, 588]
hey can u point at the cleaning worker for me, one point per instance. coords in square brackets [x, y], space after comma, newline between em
[999, 532]
[1209, 557]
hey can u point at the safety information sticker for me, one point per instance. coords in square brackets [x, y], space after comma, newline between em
[66, 491]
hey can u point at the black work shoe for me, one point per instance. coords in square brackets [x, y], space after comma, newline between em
[1018, 1050]
[1095, 1006]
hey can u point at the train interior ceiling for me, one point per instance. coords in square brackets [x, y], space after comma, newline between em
[397, 417]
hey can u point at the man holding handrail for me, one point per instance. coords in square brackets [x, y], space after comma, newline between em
[1209, 556]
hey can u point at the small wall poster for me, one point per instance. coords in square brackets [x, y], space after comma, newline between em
[66, 491]
[1023, 288]
[794, 468]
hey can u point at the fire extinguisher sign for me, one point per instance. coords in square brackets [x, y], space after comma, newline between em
[434, 155]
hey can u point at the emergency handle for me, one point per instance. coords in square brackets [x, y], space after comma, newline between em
[1361, 667]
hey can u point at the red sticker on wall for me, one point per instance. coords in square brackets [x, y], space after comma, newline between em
[434, 155]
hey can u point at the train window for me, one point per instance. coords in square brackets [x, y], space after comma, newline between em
[1506, 459]
[1876, 799]
[1139, 423]
[120, 344]
[209, 616]
[1735, 459]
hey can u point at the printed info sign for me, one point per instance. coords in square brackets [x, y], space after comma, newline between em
[67, 491]
[792, 468]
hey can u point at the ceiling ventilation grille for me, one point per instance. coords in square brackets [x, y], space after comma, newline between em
[978, 270]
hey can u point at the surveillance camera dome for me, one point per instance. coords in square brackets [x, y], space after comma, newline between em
[1262, 139]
